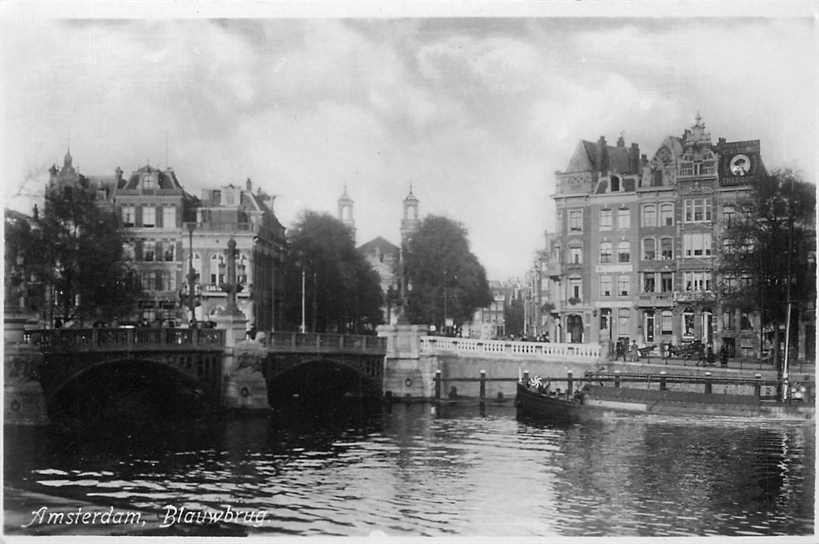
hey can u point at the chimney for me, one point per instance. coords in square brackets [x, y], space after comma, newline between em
[721, 141]
[602, 155]
[621, 142]
[644, 159]
[634, 158]
[249, 186]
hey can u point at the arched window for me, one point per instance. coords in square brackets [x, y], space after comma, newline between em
[649, 249]
[666, 214]
[624, 252]
[605, 252]
[649, 215]
[667, 248]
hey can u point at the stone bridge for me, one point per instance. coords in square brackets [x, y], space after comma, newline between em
[189, 356]
[303, 362]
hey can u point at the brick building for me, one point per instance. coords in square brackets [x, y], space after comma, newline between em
[637, 241]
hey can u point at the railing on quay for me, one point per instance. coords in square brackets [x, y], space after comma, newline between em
[126, 339]
[325, 342]
[539, 350]
[662, 381]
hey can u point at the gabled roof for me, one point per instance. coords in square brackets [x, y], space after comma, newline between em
[379, 242]
[165, 179]
[586, 158]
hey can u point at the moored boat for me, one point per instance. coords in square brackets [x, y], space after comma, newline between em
[594, 401]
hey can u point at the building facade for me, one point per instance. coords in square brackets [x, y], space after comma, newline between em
[166, 231]
[637, 241]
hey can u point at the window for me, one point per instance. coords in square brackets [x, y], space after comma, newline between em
[128, 216]
[729, 320]
[605, 252]
[217, 269]
[128, 250]
[666, 214]
[649, 326]
[241, 269]
[169, 217]
[575, 288]
[688, 322]
[623, 321]
[649, 215]
[624, 219]
[605, 286]
[624, 252]
[148, 182]
[605, 319]
[697, 210]
[168, 252]
[648, 282]
[729, 215]
[697, 244]
[728, 246]
[148, 250]
[615, 184]
[649, 251]
[667, 321]
[148, 280]
[606, 219]
[576, 220]
[575, 255]
[148, 216]
[745, 321]
[666, 282]
[686, 168]
[657, 178]
[667, 248]
[697, 281]
[623, 286]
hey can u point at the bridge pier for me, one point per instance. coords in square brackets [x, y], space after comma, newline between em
[407, 373]
[24, 401]
[244, 386]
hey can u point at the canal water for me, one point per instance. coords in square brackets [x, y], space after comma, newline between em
[415, 470]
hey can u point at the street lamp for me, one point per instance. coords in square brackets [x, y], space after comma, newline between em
[191, 276]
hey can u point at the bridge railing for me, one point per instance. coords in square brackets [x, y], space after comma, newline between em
[327, 342]
[540, 350]
[107, 339]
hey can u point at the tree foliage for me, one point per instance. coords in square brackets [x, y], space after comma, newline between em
[769, 244]
[445, 279]
[342, 291]
[79, 257]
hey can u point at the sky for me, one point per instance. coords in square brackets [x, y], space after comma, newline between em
[475, 113]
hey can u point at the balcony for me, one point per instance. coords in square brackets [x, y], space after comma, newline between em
[656, 300]
[694, 296]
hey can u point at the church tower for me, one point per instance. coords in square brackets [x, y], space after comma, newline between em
[345, 212]
[410, 222]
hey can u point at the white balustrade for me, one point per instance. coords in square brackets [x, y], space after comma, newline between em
[539, 350]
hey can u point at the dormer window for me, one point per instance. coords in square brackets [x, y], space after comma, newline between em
[148, 182]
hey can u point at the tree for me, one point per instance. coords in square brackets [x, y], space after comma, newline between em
[79, 257]
[342, 291]
[445, 280]
[768, 256]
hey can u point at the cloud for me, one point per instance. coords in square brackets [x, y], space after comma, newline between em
[477, 114]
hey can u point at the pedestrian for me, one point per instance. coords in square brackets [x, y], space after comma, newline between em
[723, 355]
[635, 354]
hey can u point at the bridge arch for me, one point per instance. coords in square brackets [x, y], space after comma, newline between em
[314, 376]
[130, 387]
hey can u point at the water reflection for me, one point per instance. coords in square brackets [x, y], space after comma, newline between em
[454, 469]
